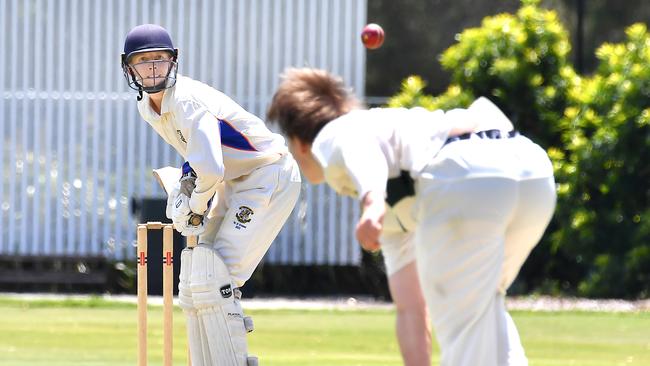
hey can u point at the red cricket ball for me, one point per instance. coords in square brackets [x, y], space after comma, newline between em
[372, 36]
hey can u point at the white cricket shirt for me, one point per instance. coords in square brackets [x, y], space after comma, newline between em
[219, 139]
[361, 150]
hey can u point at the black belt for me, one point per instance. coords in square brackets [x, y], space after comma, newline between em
[487, 134]
[399, 187]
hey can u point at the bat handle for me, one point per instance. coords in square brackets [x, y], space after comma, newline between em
[195, 219]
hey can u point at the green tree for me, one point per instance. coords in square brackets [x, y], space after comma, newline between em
[412, 94]
[596, 131]
[416, 33]
[520, 62]
[606, 176]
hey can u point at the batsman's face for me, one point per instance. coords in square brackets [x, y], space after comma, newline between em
[151, 68]
[308, 164]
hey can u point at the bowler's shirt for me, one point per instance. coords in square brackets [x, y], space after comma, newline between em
[361, 150]
[364, 149]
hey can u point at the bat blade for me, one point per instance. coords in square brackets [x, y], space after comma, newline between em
[167, 177]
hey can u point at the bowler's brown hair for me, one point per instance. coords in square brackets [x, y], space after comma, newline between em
[306, 100]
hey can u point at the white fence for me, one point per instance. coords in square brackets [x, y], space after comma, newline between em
[74, 150]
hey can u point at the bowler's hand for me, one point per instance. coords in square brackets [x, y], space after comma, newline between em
[371, 222]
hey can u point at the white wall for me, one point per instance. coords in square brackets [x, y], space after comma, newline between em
[75, 151]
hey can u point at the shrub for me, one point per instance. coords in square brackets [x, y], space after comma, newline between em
[520, 62]
[606, 176]
[597, 133]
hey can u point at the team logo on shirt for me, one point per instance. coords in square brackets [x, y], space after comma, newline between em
[180, 135]
[243, 217]
[244, 214]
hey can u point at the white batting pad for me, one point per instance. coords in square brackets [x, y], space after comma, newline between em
[219, 312]
[184, 291]
[186, 303]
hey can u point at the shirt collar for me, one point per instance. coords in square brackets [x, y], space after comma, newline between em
[168, 97]
[145, 107]
[166, 100]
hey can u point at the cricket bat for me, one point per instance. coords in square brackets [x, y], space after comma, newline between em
[167, 177]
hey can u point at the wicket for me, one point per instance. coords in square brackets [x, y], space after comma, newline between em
[168, 295]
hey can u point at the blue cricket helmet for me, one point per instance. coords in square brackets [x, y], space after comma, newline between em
[147, 38]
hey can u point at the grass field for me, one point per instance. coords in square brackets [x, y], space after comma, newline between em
[95, 332]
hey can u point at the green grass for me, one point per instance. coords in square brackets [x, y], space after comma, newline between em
[95, 332]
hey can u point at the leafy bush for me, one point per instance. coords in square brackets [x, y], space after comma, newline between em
[519, 62]
[597, 133]
[606, 177]
[412, 95]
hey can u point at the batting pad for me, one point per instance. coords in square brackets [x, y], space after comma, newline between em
[186, 303]
[219, 313]
[184, 290]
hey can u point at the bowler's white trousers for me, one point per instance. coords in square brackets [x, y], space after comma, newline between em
[249, 214]
[481, 206]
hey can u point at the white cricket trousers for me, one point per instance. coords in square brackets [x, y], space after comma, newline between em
[482, 205]
[249, 215]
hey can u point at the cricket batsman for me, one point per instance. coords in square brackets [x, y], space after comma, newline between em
[244, 185]
[456, 200]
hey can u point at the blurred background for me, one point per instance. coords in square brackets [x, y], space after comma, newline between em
[420, 30]
[76, 158]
